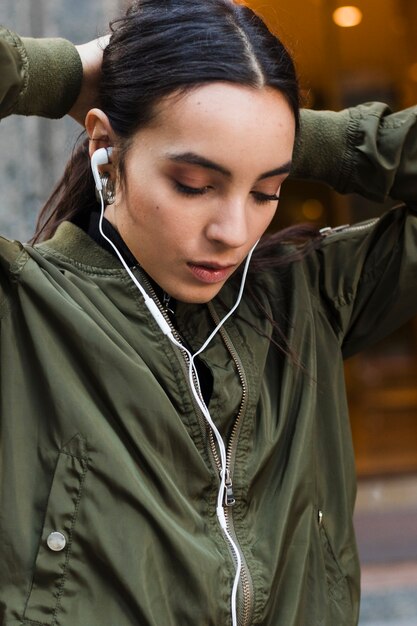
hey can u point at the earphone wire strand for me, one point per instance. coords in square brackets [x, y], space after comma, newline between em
[203, 407]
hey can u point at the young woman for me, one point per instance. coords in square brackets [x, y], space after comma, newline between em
[161, 465]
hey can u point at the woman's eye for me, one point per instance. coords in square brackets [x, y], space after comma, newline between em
[262, 198]
[190, 191]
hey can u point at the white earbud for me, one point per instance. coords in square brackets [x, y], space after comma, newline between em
[102, 156]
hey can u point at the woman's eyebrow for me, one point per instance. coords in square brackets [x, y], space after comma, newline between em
[282, 169]
[196, 159]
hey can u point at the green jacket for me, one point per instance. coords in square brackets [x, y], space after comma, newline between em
[101, 440]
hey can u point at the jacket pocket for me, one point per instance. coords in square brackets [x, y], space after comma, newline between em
[338, 593]
[54, 551]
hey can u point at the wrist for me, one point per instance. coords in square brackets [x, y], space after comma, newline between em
[322, 146]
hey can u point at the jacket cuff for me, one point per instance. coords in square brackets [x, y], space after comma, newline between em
[323, 148]
[13, 79]
[53, 76]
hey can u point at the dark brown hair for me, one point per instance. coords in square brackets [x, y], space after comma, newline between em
[158, 48]
[162, 47]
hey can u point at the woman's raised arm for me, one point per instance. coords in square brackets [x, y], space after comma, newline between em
[11, 71]
[48, 77]
[366, 149]
[41, 76]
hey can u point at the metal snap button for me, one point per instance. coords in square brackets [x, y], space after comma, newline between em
[56, 541]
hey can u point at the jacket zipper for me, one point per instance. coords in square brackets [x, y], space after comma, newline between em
[328, 230]
[229, 500]
[164, 310]
[246, 584]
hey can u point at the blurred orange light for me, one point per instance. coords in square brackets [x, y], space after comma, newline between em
[347, 16]
[312, 209]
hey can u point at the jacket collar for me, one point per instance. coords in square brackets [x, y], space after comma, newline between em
[71, 241]
[92, 251]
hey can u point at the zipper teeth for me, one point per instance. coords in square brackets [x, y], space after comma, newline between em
[178, 337]
[152, 293]
[245, 579]
[235, 429]
[244, 573]
[327, 231]
[231, 448]
[247, 603]
[363, 226]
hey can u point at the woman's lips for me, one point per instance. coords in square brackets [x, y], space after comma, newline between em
[211, 273]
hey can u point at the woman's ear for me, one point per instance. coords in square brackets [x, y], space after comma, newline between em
[99, 130]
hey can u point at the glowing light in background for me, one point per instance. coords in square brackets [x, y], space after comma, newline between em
[312, 209]
[347, 16]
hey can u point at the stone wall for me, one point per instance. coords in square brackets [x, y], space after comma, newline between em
[35, 150]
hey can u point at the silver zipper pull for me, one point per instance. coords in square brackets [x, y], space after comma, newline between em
[329, 230]
[229, 498]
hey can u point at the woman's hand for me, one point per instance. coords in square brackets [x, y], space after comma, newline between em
[91, 55]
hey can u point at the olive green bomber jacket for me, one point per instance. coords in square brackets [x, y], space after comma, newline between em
[101, 441]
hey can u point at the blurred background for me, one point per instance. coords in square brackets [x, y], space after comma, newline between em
[345, 54]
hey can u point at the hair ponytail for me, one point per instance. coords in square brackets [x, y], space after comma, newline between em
[73, 196]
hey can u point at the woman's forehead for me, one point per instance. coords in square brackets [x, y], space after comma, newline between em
[225, 123]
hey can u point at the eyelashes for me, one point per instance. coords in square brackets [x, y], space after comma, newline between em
[185, 190]
[262, 198]
[190, 191]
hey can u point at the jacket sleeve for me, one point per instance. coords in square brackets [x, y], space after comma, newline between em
[37, 76]
[365, 278]
[365, 149]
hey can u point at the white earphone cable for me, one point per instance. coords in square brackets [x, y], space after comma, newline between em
[192, 372]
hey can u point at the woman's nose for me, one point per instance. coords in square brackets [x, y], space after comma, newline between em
[229, 226]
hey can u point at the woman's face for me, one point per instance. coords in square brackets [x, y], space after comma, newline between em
[201, 183]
